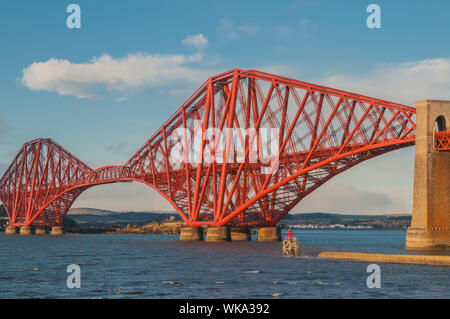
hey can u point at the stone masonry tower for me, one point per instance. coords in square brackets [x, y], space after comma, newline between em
[430, 225]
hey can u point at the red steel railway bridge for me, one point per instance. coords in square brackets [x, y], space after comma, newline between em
[321, 133]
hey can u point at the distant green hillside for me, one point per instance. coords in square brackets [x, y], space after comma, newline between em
[90, 217]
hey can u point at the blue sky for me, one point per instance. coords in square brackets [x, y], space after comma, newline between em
[325, 42]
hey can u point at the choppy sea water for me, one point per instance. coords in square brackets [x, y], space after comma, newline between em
[160, 266]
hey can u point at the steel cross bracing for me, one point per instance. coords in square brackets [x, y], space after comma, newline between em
[319, 132]
[442, 141]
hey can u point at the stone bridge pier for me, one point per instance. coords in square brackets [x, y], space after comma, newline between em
[430, 225]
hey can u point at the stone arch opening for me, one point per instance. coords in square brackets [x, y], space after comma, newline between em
[440, 124]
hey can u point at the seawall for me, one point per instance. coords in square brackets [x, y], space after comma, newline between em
[383, 258]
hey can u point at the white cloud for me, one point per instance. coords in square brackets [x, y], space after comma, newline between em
[135, 71]
[178, 92]
[304, 22]
[198, 41]
[344, 198]
[404, 83]
[248, 29]
[229, 31]
[118, 148]
[283, 30]
[296, 4]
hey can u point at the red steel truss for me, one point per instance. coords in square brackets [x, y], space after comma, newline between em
[442, 141]
[321, 133]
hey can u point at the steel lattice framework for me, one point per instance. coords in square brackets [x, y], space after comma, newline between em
[321, 132]
[442, 141]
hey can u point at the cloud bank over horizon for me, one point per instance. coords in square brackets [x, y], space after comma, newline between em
[343, 198]
[340, 198]
[406, 82]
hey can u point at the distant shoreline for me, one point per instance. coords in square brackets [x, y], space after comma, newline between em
[89, 220]
[125, 231]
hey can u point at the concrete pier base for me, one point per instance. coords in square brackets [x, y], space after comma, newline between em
[41, 231]
[191, 234]
[26, 230]
[422, 239]
[57, 230]
[218, 234]
[11, 230]
[269, 234]
[240, 233]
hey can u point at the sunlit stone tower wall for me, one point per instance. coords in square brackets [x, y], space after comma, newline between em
[430, 226]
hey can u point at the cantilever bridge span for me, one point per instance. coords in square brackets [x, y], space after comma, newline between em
[321, 133]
